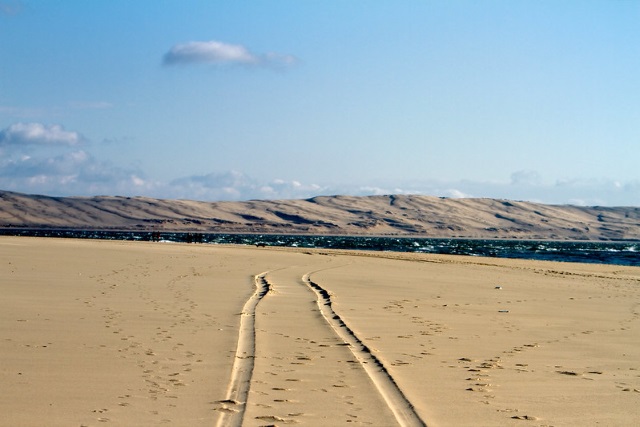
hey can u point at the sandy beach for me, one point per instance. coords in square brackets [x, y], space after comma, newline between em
[97, 333]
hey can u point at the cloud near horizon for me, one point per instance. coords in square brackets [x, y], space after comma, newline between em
[220, 53]
[75, 173]
[38, 134]
[234, 185]
[78, 173]
[47, 159]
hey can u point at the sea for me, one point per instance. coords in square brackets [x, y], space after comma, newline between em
[597, 252]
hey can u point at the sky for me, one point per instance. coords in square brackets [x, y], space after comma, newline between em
[236, 100]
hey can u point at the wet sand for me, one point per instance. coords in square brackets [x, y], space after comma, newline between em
[129, 333]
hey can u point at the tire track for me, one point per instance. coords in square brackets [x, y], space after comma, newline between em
[234, 405]
[402, 409]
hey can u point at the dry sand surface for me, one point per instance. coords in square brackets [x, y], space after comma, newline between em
[141, 334]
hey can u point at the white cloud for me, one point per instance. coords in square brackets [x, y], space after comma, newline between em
[219, 53]
[455, 194]
[208, 52]
[68, 171]
[71, 173]
[239, 186]
[32, 168]
[38, 134]
[47, 159]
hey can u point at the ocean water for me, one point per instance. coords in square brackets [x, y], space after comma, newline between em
[606, 252]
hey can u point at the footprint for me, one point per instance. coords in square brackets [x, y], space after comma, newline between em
[524, 417]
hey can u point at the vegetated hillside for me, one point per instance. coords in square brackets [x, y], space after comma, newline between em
[372, 215]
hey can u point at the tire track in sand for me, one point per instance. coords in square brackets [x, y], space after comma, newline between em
[234, 406]
[402, 409]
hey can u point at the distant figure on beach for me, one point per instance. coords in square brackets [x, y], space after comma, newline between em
[193, 238]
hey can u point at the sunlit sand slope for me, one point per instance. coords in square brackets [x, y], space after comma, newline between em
[375, 215]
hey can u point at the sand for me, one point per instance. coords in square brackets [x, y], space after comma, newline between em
[390, 215]
[129, 333]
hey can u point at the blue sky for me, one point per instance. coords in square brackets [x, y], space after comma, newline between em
[234, 100]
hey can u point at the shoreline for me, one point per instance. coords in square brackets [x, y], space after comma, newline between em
[597, 252]
[302, 234]
[133, 333]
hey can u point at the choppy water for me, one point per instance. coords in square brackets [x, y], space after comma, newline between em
[618, 253]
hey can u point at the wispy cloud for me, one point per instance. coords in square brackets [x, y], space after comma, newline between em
[526, 177]
[39, 112]
[10, 7]
[234, 185]
[92, 105]
[220, 53]
[72, 171]
[530, 186]
[27, 112]
[38, 134]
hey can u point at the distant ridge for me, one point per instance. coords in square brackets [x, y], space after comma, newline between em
[398, 215]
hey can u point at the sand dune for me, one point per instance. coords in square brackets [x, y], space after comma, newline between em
[374, 215]
[136, 333]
